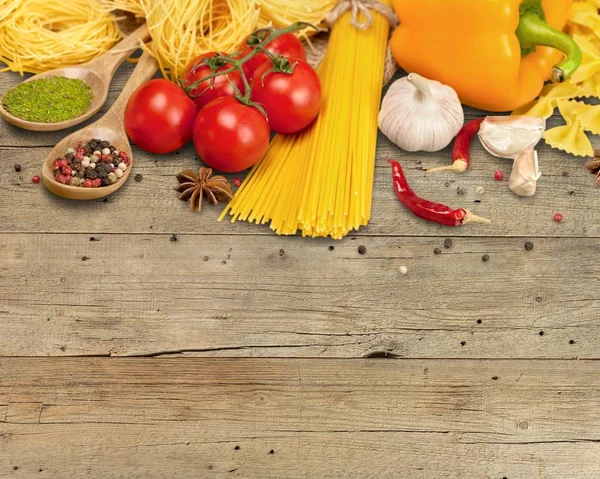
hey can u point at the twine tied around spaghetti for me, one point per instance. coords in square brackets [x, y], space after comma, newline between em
[361, 8]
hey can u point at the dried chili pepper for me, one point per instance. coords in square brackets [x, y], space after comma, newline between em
[461, 159]
[429, 210]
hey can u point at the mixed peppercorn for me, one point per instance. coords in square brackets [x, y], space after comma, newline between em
[91, 165]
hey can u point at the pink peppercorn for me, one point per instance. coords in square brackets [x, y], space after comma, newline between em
[55, 165]
[498, 175]
[35, 179]
[237, 182]
[557, 218]
[66, 170]
[87, 183]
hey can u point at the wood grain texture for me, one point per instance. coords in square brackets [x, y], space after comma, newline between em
[152, 205]
[270, 296]
[320, 418]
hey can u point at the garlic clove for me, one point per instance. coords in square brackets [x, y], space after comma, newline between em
[507, 136]
[525, 173]
[418, 114]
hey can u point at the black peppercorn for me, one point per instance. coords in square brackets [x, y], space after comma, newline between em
[448, 243]
[17, 167]
[437, 251]
[362, 249]
[90, 173]
[104, 144]
[528, 245]
[485, 258]
[138, 177]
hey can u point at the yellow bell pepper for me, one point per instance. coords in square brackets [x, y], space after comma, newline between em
[496, 54]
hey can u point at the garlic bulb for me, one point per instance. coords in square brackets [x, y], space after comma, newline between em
[420, 115]
[507, 136]
[525, 173]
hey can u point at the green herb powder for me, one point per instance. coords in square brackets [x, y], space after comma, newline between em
[49, 100]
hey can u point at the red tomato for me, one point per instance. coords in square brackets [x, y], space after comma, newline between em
[287, 45]
[159, 117]
[230, 136]
[205, 92]
[292, 100]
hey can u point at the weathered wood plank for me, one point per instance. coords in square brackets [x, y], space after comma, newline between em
[270, 296]
[152, 206]
[320, 418]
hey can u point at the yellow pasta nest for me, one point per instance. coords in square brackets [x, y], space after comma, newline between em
[40, 35]
[184, 29]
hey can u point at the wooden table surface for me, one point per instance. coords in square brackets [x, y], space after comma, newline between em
[139, 340]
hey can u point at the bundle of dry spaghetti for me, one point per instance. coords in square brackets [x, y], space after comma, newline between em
[321, 180]
[184, 29]
[40, 35]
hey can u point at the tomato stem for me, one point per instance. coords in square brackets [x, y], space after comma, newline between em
[258, 44]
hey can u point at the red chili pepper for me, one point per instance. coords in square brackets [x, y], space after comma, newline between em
[461, 159]
[429, 210]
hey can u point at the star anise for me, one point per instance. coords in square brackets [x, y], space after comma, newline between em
[194, 187]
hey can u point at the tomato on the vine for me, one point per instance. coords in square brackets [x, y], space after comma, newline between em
[159, 117]
[208, 90]
[292, 100]
[230, 136]
[286, 45]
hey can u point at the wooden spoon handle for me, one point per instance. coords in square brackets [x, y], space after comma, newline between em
[144, 71]
[106, 65]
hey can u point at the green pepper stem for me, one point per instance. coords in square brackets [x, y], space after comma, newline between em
[533, 31]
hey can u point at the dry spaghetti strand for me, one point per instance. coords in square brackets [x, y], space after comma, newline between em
[41, 35]
[320, 182]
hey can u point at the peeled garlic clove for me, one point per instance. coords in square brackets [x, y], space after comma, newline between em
[525, 173]
[507, 136]
[420, 115]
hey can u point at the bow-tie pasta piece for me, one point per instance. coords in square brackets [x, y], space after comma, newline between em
[589, 117]
[591, 87]
[570, 137]
[590, 64]
[551, 94]
[584, 20]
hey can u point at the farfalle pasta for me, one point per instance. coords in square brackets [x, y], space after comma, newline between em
[551, 94]
[589, 117]
[584, 27]
[570, 137]
[590, 64]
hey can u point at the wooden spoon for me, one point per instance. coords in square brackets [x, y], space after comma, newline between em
[97, 73]
[110, 128]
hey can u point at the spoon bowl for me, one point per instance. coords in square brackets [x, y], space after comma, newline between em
[110, 128]
[117, 138]
[97, 73]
